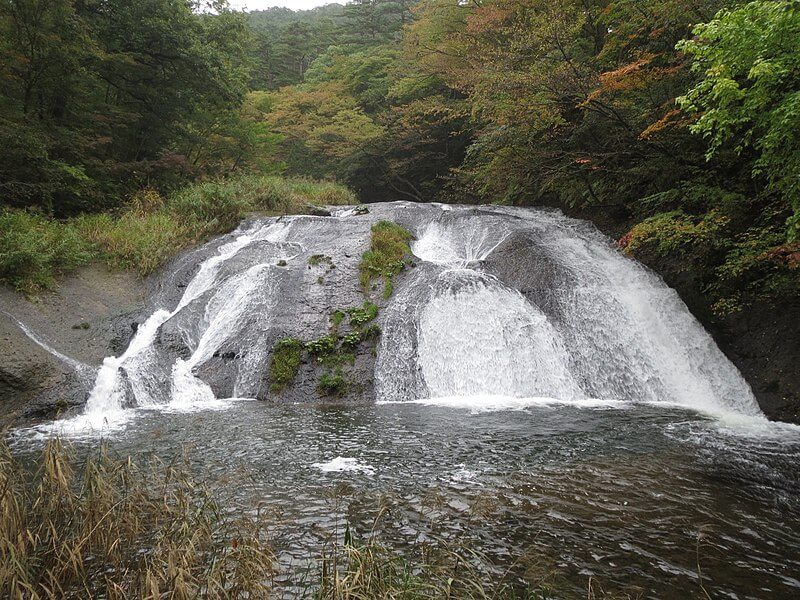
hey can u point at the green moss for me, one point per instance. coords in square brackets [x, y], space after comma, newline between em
[339, 358]
[285, 363]
[386, 256]
[336, 318]
[282, 263]
[318, 259]
[333, 384]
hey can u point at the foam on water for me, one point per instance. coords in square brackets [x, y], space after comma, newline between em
[484, 403]
[342, 464]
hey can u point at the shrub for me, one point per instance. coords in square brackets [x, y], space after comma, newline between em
[34, 249]
[322, 346]
[333, 384]
[676, 232]
[363, 315]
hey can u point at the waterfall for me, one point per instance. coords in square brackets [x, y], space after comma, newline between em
[525, 303]
[511, 306]
[136, 377]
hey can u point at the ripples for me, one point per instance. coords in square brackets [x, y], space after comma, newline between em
[635, 497]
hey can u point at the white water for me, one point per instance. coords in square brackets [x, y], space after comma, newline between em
[342, 464]
[479, 337]
[593, 325]
[132, 379]
[73, 364]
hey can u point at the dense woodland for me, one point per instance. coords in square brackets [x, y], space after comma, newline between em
[677, 121]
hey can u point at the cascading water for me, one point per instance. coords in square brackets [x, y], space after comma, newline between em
[503, 304]
[478, 337]
[527, 303]
[137, 377]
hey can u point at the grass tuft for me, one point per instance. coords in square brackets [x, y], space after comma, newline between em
[111, 529]
[285, 363]
[386, 256]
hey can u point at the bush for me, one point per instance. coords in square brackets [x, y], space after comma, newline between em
[675, 232]
[34, 249]
[333, 384]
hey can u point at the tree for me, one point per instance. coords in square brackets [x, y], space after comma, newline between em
[749, 95]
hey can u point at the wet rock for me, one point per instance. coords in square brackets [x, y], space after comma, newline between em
[317, 211]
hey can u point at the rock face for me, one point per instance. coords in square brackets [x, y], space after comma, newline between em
[90, 316]
[224, 307]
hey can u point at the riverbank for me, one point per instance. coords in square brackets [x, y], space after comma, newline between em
[150, 229]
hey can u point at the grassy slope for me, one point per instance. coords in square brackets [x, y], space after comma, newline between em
[35, 249]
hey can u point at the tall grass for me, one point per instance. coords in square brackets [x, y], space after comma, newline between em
[107, 527]
[35, 249]
[371, 570]
[150, 228]
[114, 530]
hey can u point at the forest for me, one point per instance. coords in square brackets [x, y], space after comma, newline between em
[129, 129]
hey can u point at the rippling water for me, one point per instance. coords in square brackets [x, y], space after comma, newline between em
[639, 497]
